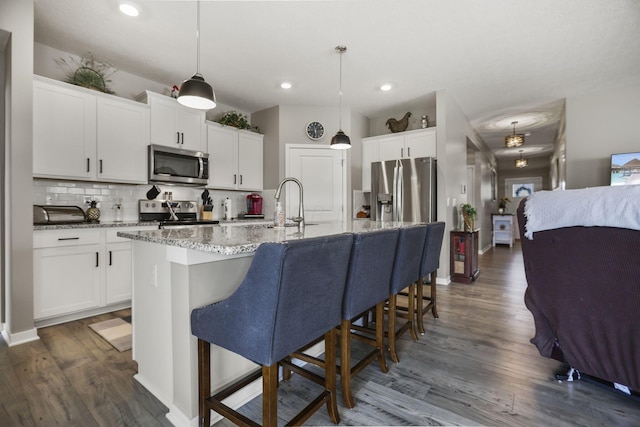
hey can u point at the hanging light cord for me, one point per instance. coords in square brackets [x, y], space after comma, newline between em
[340, 121]
[198, 39]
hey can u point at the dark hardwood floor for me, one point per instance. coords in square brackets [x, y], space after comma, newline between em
[474, 366]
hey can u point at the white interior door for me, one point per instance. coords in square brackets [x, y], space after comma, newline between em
[322, 174]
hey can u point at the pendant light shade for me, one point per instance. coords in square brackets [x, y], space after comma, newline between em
[340, 141]
[514, 140]
[195, 92]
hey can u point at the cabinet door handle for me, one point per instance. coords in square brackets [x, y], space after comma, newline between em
[240, 179]
[97, 259]
[88, 165]
[110, 259]
[182, 134]
[234, 179]
[408, 151]
[68, 238]
[402, 152]
[178, 136]
[100, 165]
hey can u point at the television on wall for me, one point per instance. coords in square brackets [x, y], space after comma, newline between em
[625, 169]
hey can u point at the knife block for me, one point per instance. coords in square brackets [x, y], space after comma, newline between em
[206, 212]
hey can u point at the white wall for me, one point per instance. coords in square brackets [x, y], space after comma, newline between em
[16, 17]
[453, 128]
[598, 125]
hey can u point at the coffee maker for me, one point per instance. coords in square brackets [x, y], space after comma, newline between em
[254, 206]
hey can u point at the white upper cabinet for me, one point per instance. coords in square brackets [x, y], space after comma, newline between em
[123, 129]
[235, 158]
[412, 144]
[85, 135]
[64, 131]
[175, 125]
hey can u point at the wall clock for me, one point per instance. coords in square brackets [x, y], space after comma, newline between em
[315, 130]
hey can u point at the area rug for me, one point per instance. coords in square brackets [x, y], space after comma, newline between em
[116, 332]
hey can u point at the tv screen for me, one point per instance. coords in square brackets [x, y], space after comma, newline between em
[625, 169]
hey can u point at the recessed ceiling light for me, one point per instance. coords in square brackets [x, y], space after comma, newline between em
[385, 87]
[285, 85]
[129, 9]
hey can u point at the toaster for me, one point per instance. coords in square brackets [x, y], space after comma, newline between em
[50, 214]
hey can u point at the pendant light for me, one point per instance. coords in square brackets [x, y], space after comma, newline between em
[514, 140]
[521, 163]
[195, 92]
[340, 141]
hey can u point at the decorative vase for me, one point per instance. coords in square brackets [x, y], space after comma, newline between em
[468, 223]
[93, 213]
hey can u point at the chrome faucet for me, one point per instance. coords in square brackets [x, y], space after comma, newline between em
[300, 218]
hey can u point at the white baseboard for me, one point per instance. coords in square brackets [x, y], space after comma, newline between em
[19, 337]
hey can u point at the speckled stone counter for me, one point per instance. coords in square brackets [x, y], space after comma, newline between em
[106, 224]
[225, 239]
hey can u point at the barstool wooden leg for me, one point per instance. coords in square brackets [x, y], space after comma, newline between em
[204, 382]
[345, 363]
[412, 311]
[434, 310]
[270, 395]
[420, 306]
[392, 327]
[382, 361]
[330, 375]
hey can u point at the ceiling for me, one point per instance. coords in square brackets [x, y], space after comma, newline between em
[501, 60]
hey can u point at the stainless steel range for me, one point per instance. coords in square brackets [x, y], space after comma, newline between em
[171, 213]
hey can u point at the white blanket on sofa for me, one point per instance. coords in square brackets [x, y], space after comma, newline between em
[617, 206]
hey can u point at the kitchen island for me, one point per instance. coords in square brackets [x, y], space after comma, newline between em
[177, 270]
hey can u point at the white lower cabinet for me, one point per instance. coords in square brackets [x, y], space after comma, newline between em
[80, 272]
[66, 280]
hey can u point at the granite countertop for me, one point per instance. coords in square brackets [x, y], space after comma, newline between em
[233, 240]
[104, 224]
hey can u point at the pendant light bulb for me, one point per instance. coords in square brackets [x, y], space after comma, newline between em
[340, 141]
[196, 92]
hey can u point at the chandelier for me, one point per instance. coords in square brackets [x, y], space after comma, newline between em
[514, 140]
[521, 163]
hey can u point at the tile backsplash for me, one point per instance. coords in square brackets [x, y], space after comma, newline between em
[78, 193]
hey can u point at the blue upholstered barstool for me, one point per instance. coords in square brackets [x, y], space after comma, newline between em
[291, 294]
[429, 267]
[406, 274]
[367, 286]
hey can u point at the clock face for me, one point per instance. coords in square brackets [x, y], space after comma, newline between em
[315, 130]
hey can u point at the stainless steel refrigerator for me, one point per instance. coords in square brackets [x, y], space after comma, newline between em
[404, 190]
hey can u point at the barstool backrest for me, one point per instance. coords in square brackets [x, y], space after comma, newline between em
[432, 247]
[370, 270]
[291, 294]
[406, 267]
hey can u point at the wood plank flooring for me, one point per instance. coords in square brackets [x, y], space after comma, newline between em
[474, 366]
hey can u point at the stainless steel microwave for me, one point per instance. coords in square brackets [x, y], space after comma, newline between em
[178, 166]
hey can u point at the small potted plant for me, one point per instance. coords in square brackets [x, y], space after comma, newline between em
[237, 120]
[469, 214]
[502, 206]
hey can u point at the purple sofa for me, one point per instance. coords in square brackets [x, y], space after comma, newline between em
[584, 293]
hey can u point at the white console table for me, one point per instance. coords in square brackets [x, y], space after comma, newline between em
[503, 229]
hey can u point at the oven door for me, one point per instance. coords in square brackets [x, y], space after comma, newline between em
[177, 166]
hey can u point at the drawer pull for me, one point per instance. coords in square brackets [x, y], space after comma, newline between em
[97, 259]
[68, 238]
[110, 259]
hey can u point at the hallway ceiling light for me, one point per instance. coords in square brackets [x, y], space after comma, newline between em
[195, 92]
[514, 140]
[340, 141]
[521, 163]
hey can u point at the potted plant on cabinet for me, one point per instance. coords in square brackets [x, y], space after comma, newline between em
[469, 214]
[502, 206]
